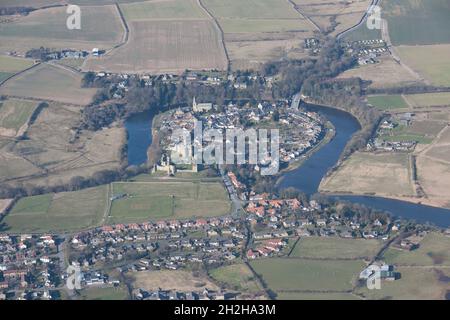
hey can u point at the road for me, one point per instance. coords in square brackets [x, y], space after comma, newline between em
[363, 19]
[236, 203]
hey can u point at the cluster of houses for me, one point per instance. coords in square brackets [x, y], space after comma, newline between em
[28, 262]
[313, 45]
[160, 245]
[367, 51]
[299, 130]
[274, 222]
[387, 129]
[205, 294]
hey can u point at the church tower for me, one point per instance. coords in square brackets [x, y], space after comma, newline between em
[194, 104]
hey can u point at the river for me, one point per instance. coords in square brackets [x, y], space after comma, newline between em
[308, 176]
[139, 132]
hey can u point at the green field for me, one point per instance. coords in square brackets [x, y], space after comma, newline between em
[297, 274]
[259, 9]
[12, 64]
[315, 296]
[335, 248]
[387, 102]
[363, 33]
[237, 276]
[168, 199]
[112, 293]
[68, 211]
[48, 82]
[5, 75]
[421, 131]
[434, 249]
[432, 62]
[172, 9]
[15, 113]
[414, 284]
[429, 99]
[418, 21]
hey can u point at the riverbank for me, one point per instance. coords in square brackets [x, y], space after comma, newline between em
[308, 176]
[329, 135]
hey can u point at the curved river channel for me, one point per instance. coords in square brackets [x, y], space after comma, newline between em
[308, 176]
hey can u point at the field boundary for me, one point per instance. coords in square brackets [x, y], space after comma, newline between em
[304, 15]
[221, 32]
[18, 73]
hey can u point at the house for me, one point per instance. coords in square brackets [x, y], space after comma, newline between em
[321, 222]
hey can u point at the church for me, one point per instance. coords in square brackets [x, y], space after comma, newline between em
[201, 107]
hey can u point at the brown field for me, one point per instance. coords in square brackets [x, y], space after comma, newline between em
[29, 3]
[171, 280]
[166, 47]
[245, 54]
[258, 31]
[4, 204]
[48, 157]
[433, 168]
[429, 99]
[386, 174]
[49, 82]
[347, 14]
[387, 73]
[47, 28]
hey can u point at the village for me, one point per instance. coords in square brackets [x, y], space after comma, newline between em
[32, 266]
[299, 130]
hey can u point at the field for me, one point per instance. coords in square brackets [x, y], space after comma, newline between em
[315, 296]
[296, 275]
[49, 156]
[251, 9]
[14, 116]
[166, 9]
[4, 204]
[387, 73]
[68, 211]
[433, 169]
[417, 22]
[346, 14]
[171, 280]
[387, 102]
[429, 99]
[434, 250]
[258, 31]
[236, 276]
[422, 131]
[110, 293]
[170, 46]
[165, 199]
[336, 248]
[368, 173]
[47, 28]
[430, 61]
[12, 64]
[49, 82]
[414, 284]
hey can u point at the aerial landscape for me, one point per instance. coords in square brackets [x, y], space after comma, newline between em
[225, 150]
